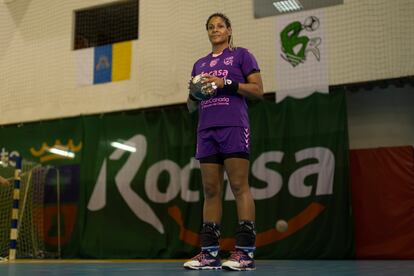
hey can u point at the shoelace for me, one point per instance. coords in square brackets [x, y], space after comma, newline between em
[200, 256]
[236, 255]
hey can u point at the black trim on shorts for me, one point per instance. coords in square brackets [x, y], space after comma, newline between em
[220, 157]
[242, 154]
[215, 159]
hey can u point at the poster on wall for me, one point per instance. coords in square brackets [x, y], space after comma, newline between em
[301, 55]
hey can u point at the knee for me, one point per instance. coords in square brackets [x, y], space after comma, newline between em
[239, 188]
[211, 190]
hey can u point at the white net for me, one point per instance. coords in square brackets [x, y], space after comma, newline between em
[30, 241]
[6, 195]
[366, 40]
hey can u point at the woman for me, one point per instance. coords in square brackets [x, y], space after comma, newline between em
[223, 144]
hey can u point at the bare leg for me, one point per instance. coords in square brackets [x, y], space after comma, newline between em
[242, 258]
[238, 171]
[212, 176]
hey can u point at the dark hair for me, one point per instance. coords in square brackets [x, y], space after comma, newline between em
[228, 25]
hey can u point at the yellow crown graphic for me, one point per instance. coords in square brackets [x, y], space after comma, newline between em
[57, 151]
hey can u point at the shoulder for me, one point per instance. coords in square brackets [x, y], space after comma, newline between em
[241, 50]
[202, 59]
[243, 53]
[199, 64]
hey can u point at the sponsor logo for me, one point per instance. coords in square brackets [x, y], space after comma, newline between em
[296, 45]
[228, 61]
[214, 62]
[218, 73]
[215, 101]
[246, 134]
[323, 164]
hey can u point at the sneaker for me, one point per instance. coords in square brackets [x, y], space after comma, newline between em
[239, 260]
[204, 260]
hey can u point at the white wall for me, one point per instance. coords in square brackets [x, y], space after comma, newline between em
[381, 117]
[367, 40]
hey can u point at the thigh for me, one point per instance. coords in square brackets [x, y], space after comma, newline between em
[237, 170]
[212, 174]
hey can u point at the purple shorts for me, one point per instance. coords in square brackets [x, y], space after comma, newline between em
[222, 140]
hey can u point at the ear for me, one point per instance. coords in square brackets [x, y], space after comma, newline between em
[230, 30]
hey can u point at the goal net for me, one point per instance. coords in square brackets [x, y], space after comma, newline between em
[21, 210]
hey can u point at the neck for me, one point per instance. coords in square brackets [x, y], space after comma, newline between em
[217, 49]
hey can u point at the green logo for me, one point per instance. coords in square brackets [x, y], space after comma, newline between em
[295, 45]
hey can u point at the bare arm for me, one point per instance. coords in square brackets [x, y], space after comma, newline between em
[252, 89]
[191, 105]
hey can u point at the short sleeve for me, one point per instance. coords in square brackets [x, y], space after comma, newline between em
[249, 64]
[193, 72]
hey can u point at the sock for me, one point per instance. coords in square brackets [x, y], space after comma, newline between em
[209, 238]
[246, 236]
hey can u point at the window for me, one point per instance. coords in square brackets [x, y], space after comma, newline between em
[106, 24]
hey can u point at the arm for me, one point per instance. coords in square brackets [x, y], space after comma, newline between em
[252, 89]
[191, 105]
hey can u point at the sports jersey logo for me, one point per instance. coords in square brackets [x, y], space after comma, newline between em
[228, 61]
[214, 62]
[215, 101]
[202, 65]
[218, 73]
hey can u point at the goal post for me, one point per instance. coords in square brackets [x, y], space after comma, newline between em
[22, 210]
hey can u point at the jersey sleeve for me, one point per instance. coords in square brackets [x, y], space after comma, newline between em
[193, 72]
[249, 63]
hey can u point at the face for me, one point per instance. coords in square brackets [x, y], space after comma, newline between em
[218, 32]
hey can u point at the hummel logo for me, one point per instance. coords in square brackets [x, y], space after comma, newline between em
[246, 137]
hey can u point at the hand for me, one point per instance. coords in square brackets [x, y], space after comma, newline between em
[219, 82]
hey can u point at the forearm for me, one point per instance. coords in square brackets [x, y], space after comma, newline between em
[191, 105]
[251, 90]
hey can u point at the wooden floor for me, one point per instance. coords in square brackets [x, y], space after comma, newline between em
[174, 267]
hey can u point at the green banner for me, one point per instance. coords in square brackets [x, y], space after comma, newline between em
[38, 142]
[140, 187]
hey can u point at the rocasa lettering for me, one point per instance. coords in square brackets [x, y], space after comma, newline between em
[179, 179]
[217, 73]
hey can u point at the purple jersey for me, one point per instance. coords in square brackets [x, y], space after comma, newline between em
[225, 109]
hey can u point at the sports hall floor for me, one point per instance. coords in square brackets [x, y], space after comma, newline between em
[174, 267]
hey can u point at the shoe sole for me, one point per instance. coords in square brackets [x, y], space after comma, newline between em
[202, 267]
[238, 269]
